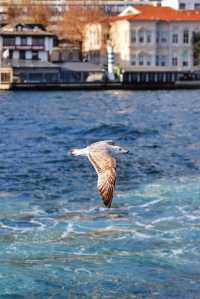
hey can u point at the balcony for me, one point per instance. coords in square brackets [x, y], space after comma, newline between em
[24, 47]
[37, 47]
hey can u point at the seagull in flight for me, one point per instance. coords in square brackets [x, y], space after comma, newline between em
[100, 156]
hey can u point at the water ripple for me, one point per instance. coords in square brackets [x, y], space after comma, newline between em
[56, 238]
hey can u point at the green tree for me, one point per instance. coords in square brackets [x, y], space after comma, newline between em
[196, 48]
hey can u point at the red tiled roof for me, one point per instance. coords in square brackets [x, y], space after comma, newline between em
[157, 13]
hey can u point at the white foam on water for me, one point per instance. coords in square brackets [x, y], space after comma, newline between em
[120, 237]
[5, 226]
[68, 231]
[37, 211]
[86, 211]
[177, 252]
[151, 203]
[95, 209]
[121, 230]
[188, 215]
[141, 236]
[146, 226]
[163, 219]
[37, 225]
[15, 229]
[41, 226]
[150, 190]
[133, 232]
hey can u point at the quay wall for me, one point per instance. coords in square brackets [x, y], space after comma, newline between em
[106, 86]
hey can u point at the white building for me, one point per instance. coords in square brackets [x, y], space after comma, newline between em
[26, 42]
[182, 4]
[145, 37]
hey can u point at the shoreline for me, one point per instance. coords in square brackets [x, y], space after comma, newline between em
[105, 86]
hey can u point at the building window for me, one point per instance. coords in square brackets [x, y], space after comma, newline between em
[158, 37]
[35, 55]
[175, 38]
[163, 61]
[174, 61]
[22, 55]
[182, 5]
[141, 59]
[148, 59]
[133, 36]
[9, 41]
[196, 5]
[149, 37]
[163, 37]
[23, 41]
[133, 60]
[141, 36]
[185, 36]
[157, 60]
[185, 59]
[37, 41]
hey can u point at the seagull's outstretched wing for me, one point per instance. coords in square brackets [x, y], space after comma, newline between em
[105, 166]
[106, 185]
[102, 143]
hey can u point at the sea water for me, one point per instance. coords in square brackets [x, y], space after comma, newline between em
[57, 240]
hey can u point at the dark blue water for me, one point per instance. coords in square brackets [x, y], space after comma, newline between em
[56, 238]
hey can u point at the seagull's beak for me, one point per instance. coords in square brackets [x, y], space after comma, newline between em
[71, 152]
[124, 151]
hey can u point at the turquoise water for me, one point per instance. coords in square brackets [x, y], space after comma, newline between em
[56, 238]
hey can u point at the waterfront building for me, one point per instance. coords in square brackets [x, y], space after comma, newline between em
[144, 37]
[182, 4]
[26, 49]
[26, 42]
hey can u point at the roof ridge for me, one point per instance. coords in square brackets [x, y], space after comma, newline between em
[155, 13]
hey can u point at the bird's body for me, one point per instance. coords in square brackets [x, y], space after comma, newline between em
[100, 156]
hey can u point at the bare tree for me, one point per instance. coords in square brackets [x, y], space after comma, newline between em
[75, 18]
[13, 10]
[38, 13]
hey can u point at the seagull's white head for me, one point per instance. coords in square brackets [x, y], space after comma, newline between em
[119, 150]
